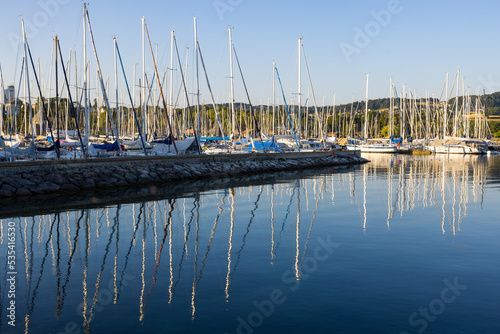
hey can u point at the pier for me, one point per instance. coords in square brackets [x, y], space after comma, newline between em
[35, 179]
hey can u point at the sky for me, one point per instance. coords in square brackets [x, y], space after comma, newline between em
[416, 42]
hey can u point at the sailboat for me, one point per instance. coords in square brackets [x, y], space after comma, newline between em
[367, 146]
[456, 145]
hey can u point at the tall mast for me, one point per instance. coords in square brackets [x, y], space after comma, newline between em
[99, 74]
[85, 79]
[274, 95]
[39, 116]
[198, 125]
[366, 109]
[233, 114]
[171, 102]
[391, 107]
[333, 114]
[116, 85]
[445, 114]
[143, 86]
[299, 95]
[455, 125]
[184, 118]
[463, 107]
[57, 93]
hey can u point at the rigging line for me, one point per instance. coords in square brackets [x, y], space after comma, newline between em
[103, 89]
[158, 258]
[212, 97]
[98, 282]
[212, 233]
[15, 102]
[248, 96]
[286, 217]
[252, 213]
[195, 205]
[161, 91]
[32, 306]
[287, 111]
[310, 83]
[196, 135]
[136, 227]
[70, 263]
[130, 96]
[70, 100]
[312, 221]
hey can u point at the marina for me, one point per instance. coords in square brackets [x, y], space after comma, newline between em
[244, 167]
[39, 123]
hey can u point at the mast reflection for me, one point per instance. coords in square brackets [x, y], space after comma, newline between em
[113, 255]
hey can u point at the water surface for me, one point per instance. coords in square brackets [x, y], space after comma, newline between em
[402, 244]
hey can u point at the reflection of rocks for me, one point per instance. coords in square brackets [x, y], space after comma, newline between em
[49, 177]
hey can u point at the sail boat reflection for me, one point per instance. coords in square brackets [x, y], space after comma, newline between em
[86, 324]
[70, 263]
[422, 179]
[166, 230]
[229, 251]
[31, 305]
[94, 250]
[252, 217]
[198, 276]
[319, 196]
[196, 204]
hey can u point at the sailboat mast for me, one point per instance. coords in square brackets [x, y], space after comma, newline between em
[233, 114]
[333, 114]
[143, 86]
[116, 84]
[198, 124]
[85, 78]
[445, 113]
[274, 97]
[366, 109]
[391, 107]
[171, 101]
[299, 94]
[57, 94]
[99, 75]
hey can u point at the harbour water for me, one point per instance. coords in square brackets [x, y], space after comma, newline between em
[403, 244]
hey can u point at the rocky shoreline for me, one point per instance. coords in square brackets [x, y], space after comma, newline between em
[23, 179]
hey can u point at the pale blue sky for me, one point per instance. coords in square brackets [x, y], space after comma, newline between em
[416, 45]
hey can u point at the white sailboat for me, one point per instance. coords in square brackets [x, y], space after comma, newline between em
[371, 147]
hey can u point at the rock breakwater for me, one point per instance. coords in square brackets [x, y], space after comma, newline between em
[19, 179]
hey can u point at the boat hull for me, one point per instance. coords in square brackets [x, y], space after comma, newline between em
[373, 148]
[453, 149]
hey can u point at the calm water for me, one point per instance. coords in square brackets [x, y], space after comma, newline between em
[403, 244]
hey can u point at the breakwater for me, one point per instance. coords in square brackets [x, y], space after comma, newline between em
[29, 178]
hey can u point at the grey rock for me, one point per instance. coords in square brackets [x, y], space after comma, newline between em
[55, 178]
[8, 188]
[69, 187]
[49, 187]
[25, 183]
[5, 193]
[87, 183]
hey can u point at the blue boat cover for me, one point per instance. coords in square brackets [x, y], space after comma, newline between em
[108, 147]
[263, 146]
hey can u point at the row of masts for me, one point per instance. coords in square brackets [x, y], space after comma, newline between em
[412, 117]
[409, 116]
